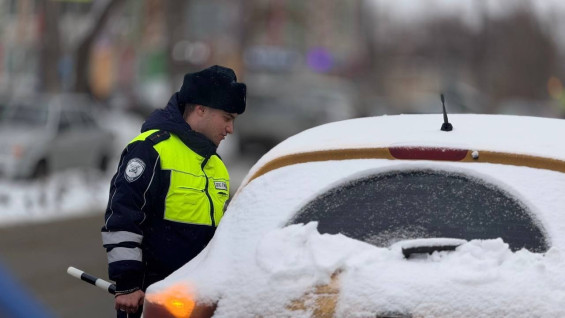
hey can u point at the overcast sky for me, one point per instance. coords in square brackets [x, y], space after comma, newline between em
[551, 11]
[466, 8]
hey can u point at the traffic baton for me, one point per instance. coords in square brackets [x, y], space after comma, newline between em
[85, 277]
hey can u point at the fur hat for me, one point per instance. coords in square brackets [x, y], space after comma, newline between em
[214, 87]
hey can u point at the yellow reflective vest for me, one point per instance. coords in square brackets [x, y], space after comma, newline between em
[198, 188]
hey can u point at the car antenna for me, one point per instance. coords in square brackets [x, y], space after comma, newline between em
[446, 126]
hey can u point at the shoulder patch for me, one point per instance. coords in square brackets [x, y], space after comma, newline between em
[134, 169]
[159, 136]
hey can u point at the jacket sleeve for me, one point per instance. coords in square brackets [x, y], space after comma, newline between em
[122, 233]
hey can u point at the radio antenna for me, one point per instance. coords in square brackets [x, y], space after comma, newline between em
[446, 126]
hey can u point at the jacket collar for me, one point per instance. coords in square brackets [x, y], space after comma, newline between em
[170, 119]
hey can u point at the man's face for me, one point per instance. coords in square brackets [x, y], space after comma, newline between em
[216, 124]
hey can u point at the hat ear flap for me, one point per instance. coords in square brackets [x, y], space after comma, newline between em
[239, 92]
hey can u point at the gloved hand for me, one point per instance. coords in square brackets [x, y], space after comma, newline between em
[129, 303]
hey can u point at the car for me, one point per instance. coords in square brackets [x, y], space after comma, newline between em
[49, 133]
[389, 216]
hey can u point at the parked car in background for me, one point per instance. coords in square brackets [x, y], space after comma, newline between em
[48, 133]
[389, 217]
[285, 104]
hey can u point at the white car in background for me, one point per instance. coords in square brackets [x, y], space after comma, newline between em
[43, 134]
[389, 217]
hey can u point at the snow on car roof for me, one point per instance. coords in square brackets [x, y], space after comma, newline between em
[488, 132]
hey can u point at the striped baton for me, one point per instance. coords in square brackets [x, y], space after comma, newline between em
[77, 273]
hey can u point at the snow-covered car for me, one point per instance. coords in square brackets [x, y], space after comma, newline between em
[389, 217]
[47, 133]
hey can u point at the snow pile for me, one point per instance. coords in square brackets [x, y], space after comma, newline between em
[482, 278]
[66, 194]
[479, 279]
[470, 282]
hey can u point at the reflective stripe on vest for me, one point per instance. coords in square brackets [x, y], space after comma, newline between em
[192, 187]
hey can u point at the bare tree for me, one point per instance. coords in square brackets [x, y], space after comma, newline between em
[99, 14]
[522, 57]
[175, 15]
[51, 51]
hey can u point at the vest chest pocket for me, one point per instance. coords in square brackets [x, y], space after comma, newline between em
[186, 200]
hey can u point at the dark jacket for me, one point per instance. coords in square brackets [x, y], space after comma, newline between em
[139, 241]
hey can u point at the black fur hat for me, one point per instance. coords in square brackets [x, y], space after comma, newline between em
[214, 87]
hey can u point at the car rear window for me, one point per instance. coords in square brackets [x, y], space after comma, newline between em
[386, 208]
[26, 115]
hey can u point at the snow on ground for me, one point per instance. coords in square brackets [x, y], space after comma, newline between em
[67, 194]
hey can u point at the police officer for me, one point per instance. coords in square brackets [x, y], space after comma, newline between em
[168, 195]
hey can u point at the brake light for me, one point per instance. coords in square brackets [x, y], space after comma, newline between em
[180, 308]
[428, 153]
[177, 301]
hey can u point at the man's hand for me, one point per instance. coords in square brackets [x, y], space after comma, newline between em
[129, 303]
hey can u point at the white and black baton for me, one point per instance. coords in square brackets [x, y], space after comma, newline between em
[77, 273]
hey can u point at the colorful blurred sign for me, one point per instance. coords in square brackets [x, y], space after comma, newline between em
[320, 59]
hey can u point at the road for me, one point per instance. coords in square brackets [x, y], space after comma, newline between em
[38, 256]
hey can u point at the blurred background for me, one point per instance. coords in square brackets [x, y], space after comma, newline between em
[77, 78]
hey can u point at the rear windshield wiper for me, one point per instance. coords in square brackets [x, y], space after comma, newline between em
[429, 245]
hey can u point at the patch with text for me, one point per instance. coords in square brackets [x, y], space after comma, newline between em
[220, 185]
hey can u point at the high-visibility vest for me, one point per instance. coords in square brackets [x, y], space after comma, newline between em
[199, 187]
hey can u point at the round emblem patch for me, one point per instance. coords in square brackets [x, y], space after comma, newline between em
[134, 169]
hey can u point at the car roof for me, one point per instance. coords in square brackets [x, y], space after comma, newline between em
[532, 137]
